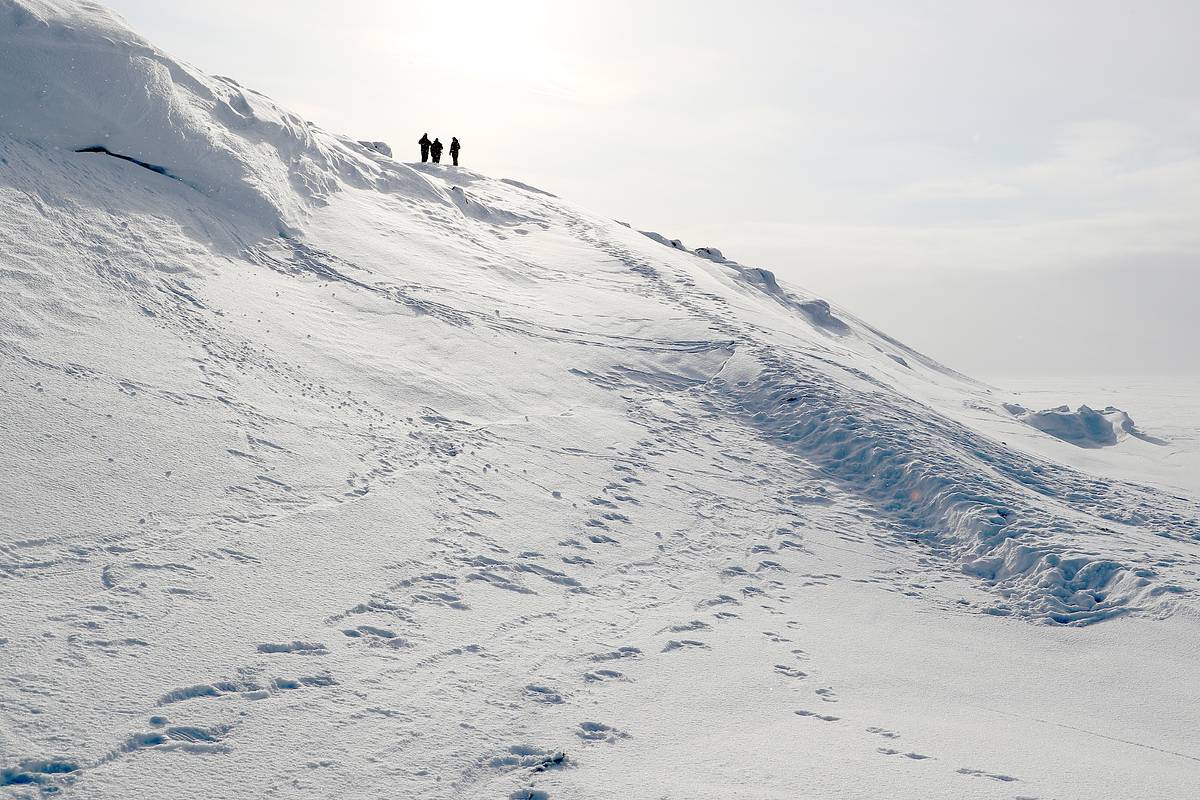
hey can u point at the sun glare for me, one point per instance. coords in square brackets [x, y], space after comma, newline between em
[510, 43]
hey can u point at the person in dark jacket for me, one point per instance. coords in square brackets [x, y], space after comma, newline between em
[454, 148]
[424, 142]
[435, 150]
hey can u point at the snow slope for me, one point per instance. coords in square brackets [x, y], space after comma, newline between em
[330, 475]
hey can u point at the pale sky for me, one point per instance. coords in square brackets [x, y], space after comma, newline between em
[1011, 187]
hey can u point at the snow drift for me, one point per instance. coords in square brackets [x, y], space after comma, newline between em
[76, 78]
[1083, 427]
[292, 423]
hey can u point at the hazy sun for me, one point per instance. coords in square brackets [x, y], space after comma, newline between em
[507, 42]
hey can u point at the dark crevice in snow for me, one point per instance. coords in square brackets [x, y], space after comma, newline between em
[144, 165]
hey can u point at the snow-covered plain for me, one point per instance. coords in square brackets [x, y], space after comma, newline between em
[332, 476]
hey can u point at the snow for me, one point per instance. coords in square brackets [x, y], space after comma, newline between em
[1083, 427]
[330, 475]
[1168, 409]
[75, 78]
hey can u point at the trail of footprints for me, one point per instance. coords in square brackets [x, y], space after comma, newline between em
[163, 733]
[372, 624]
[828, 695]
[528, 761]
[520, 573]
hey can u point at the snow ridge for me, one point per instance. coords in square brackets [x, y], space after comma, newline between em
[816, 311]
[1003, 517]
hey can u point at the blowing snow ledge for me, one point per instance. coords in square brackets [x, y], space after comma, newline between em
[152, 167]
[1083, 427]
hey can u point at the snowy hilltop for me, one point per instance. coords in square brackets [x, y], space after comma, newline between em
[334, 476]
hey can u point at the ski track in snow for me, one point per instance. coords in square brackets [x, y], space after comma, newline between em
[306, 521]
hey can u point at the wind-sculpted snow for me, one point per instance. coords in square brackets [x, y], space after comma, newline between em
[76, 78]
[331, 476]
[1083, 427]
[1040, 535]
[816, 311]
[990, 510]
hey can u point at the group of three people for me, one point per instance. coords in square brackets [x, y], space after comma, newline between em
[434, 149]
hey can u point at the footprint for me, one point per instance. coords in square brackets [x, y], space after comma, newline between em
[979, 773]
[535, 759]
[684, 644]
[602, 675]
[887, 751]
[543, 694]
[185, 738]
[823, 717]
[43, 773]
[529, 794]
[447, 599]
[554, 576]
[791, 672]
[297, 648]
[201, 690]
[884, 732]
[302, 681]
[828, 695]
[377, 637]
[619, 653]
[694, 625]
[599, 732]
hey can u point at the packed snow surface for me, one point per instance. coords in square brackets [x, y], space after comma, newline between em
[333, 476]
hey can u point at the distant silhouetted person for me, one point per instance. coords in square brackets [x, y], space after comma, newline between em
[435, 150]
[454, 148]
[424, 142]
